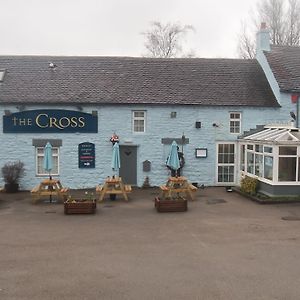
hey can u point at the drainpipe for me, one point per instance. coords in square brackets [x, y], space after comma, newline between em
[297, 113]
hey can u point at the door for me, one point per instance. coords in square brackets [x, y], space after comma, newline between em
[225, 163]
[128, 170]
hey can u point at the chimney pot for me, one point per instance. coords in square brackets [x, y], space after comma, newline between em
[263, 25]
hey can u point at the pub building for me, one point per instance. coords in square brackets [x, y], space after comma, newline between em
[230, 117]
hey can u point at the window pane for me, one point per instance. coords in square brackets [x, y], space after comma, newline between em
[225, 173]
[258, 148]
[287, 150]
[250, 147]
[268, 167]
[287, 169]
[139, 125]
[268, 149]
[139, 114]
[259, 165]
[242, 151]
[250, 162]
[226, 153]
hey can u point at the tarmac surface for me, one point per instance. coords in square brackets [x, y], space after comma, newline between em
[223, 247]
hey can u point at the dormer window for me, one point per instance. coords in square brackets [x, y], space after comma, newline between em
[2, 73]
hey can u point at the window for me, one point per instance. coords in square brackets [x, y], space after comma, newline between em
[2, 73]
[40, 158]
[235, 122]
[226, 157]
[139, 121]
[287, 163]
[242, 161]
[268, 167]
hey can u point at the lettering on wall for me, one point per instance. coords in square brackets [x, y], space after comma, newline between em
[50, 120]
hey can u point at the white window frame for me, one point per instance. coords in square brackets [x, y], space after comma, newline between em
[226, 164]
[235, 120]
[134, 118]
[37, 154]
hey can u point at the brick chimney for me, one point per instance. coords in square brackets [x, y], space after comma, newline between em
[263, 38]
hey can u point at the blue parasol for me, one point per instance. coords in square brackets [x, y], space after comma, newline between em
[173, 159]
[48, 162]
[115, 162]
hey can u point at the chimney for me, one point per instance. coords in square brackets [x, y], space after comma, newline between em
[263, 38]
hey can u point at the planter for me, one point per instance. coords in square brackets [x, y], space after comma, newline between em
[11, 187]
[80, 206]
[176, 205]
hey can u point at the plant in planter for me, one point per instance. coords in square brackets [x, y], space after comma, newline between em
[12, 172]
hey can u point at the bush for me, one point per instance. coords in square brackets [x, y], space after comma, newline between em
[12, 172]
[249, 185]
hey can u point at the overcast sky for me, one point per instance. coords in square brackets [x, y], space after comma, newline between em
[113, 27]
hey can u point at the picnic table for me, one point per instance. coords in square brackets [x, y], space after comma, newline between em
[113, 185]
[49, 187]
[178, 186]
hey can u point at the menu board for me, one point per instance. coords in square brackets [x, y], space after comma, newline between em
[86, 155]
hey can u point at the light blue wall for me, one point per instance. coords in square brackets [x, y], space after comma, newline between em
[159, 125]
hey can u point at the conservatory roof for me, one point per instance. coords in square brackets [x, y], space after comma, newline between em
[274, 135]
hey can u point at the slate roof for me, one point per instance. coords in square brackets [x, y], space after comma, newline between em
[285, 64]
[128, 80]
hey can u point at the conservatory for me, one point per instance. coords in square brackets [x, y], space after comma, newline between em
[272, 155]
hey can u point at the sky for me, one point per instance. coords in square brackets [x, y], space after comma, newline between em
[114, 27]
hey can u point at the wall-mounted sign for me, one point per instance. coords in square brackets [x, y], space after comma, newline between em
[201, 152]
[86, 155]
[50, 121]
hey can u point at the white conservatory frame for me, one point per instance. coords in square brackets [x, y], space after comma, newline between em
[265, 149]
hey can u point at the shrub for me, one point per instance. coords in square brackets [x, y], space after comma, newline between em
[12, 172]
[249, 185]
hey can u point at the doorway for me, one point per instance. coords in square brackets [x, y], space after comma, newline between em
[128, 170]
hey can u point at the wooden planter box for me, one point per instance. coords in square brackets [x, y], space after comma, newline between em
[81, 206]
[177, 205]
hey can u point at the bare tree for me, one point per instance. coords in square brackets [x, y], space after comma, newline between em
[282, 18]
[165, 40]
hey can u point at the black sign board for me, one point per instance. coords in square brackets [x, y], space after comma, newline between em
[86, 155]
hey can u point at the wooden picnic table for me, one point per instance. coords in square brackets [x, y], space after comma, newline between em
[113, 185]
[49, 187]
[176, 187]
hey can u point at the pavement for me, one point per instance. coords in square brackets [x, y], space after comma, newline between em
[224, 247]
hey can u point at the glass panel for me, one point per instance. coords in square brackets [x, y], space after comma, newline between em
[268, 167]
[268, 149]
[287, 150]
[226, 153]
[235, 116]
[250, 162]
[242, 151]
[139, 114]
[259, 165]
[258, 148]
[139, 125]
[225, 173]
[235, 126]
[250, 147]
[287, 169]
